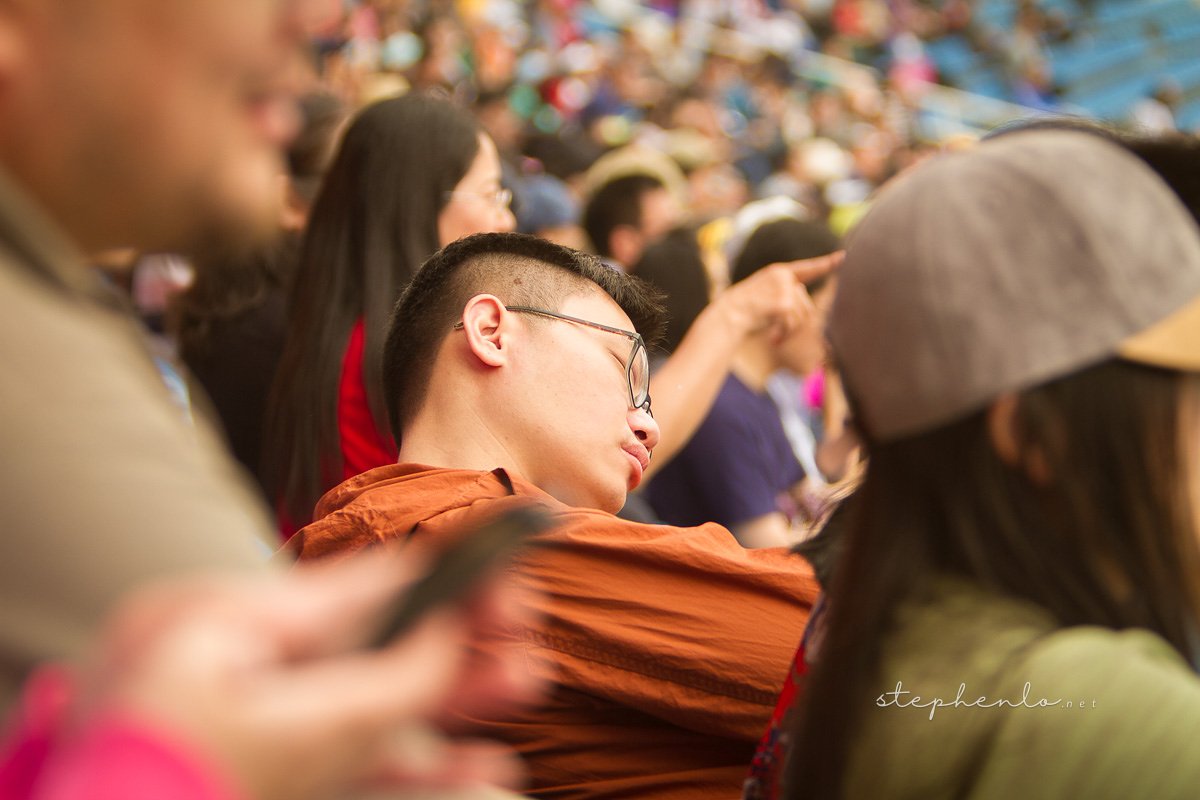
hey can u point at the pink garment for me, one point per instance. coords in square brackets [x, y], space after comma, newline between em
[109, 758]
[814, 389]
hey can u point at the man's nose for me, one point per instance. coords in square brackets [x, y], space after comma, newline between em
[644, 427]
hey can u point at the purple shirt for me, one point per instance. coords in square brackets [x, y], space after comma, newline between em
[738, 466]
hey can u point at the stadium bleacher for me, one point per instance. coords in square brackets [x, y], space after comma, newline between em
[1117, 53]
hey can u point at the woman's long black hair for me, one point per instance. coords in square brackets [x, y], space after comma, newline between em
[373, 224]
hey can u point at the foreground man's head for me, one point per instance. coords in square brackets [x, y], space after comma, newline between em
[146, 123]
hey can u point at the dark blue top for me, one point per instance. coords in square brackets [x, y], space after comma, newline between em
[734, 469]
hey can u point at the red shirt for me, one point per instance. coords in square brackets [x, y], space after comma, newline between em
[364, 446]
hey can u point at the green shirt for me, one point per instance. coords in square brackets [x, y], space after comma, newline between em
[983, 696]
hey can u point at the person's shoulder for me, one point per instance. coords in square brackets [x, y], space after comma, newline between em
[34, 246]
[988, 691]
[414, 491]
[406, 501]
[690, 546]
[1098, 713]
[989, 631]
[977, 627]
[1129, 667]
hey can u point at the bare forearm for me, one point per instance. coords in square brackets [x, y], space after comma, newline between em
[687, 384]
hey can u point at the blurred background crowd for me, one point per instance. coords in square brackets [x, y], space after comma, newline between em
[817, 100]
[721, 150]
[820, 100]
[659, 135]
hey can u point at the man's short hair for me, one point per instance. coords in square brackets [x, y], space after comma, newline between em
[617, 202]
[517, 268]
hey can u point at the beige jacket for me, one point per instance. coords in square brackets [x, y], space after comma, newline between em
[103, 485]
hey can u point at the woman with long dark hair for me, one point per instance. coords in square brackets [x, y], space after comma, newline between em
[1014, 609]
[413, 174]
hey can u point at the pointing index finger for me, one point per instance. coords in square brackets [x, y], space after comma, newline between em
[809, 269]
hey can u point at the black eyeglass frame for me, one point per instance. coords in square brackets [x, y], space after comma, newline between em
[638, 344]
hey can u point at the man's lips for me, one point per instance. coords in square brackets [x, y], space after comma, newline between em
[641, 457]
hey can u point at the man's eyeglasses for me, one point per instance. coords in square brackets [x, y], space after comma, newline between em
[637, 366]
[500, 198]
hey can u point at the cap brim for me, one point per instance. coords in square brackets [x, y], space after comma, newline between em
[1173, 343]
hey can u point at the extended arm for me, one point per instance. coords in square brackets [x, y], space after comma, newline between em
[687, 383]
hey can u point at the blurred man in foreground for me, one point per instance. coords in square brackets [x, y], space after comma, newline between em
[158, 125]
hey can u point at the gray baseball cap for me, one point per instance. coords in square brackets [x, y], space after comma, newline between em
[997, 269]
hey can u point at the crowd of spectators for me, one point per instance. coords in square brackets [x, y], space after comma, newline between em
[960, 449]
[716, 86]
[616, 127]
[741, 97]
[712, 84]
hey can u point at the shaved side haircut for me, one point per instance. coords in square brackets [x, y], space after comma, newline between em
[518, 269]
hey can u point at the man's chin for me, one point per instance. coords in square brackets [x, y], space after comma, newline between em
[242, 224]
[615, 503]
[605, 499]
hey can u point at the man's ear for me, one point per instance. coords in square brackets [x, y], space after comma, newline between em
[483, 323]
[1003, 421]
